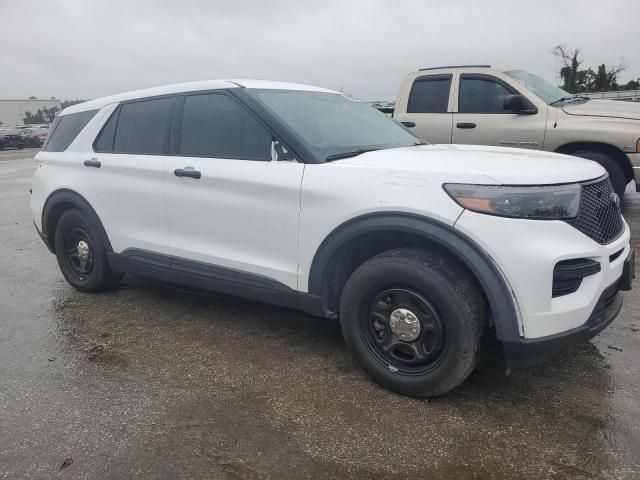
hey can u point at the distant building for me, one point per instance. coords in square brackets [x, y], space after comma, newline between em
[12, 111]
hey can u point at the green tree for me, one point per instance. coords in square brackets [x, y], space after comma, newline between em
[44, 115]
[586, 80]
[68, 103]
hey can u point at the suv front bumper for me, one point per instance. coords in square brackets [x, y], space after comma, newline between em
[530, 352]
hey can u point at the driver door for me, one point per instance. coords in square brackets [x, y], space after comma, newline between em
[482, 120]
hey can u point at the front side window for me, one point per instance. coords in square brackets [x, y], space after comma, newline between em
[142, 127]
[65, 129]
[331, 124]
[430, 94]
[482, 94]
[214, 125]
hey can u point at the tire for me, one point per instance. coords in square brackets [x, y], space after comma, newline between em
[616, 173]
[443, 299]
[92, 274]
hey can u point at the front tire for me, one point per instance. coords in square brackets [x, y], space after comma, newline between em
[413, 320]
[81, 254]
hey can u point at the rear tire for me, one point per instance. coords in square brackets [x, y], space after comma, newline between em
[423, 353]
[81, 253]
[616, 173]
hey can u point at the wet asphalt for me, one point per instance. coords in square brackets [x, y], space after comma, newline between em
[154, 381]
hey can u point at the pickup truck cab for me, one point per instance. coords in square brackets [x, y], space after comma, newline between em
[481, 105]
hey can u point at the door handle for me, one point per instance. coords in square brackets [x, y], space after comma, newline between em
[465, 125]
[187, 172]
[409, 124]
[94, 162]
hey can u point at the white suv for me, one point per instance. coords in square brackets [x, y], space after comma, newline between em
[303, 197]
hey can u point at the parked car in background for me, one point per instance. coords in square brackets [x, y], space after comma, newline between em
[306, 198]
[480, 105]
[34, 137]
[11, 139]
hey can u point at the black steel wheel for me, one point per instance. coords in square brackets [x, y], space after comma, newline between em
[413, 320]
[81, 254]
[404, 329]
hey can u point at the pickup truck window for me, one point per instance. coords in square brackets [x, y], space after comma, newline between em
[429, 94]
[482, 94]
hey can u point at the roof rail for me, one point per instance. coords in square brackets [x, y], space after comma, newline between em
[456, 66]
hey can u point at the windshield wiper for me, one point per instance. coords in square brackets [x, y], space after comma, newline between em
[572, 97]
[354, 153]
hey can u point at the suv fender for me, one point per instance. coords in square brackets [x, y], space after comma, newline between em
[489, 277]
[59, 202]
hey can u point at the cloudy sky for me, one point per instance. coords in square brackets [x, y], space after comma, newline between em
[85, 49]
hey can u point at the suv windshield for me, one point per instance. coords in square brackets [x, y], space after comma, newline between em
[333, 125]
[546, 91]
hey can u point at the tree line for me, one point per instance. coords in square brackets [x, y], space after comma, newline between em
[577, 80]
[46, 115]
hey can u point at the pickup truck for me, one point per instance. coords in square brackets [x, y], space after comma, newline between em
[477, 104]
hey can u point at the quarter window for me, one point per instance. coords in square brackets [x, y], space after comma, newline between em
[65, 129]
[214, 125]
[429, 94]
[481, 94]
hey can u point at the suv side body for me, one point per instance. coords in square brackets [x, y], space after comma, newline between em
[207, 185]
[595, 130]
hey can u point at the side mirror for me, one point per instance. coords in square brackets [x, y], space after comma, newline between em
[279, 152]
[518, 104]
[515, 103]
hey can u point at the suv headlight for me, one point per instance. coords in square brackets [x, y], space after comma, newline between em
[554, 202]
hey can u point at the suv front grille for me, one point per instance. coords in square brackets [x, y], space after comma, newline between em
[599, 217]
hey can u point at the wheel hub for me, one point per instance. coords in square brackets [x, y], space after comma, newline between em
[83, 250]
[404, 324]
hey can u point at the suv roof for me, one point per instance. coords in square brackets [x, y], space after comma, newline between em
[188, 87]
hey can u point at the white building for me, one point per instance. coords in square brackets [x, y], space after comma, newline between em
[12, 111]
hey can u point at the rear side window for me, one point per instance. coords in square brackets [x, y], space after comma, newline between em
[482, 94]
[142, 128]
[214, 125]
[65, 129]
[429, 94]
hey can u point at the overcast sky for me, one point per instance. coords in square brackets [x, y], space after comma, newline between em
[86, 49]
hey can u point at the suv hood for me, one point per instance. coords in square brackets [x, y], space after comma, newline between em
[460, 163]
[604, 108]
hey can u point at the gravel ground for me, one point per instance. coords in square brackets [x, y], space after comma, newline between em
[153, 381]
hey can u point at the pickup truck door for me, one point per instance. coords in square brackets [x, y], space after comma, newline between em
[426, 108]
[480, 118]
[230, 207]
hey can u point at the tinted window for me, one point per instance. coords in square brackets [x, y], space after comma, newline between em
[430, 94]
[482, 95]
[65, 129]
[104, 142]
[143, 127]
[214, 125]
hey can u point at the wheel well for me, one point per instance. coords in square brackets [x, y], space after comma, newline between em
[617, 154]
[60, 202]
[349, 256]
[53, 216]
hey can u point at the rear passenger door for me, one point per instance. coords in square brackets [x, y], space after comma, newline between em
[126, 175]
[482, 120]
[230, 207]
[427, 108]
